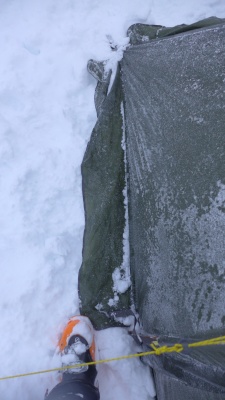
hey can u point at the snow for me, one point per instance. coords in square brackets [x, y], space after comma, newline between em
[121, 275]
[129, 379]
[115, 57]
[46, 117]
